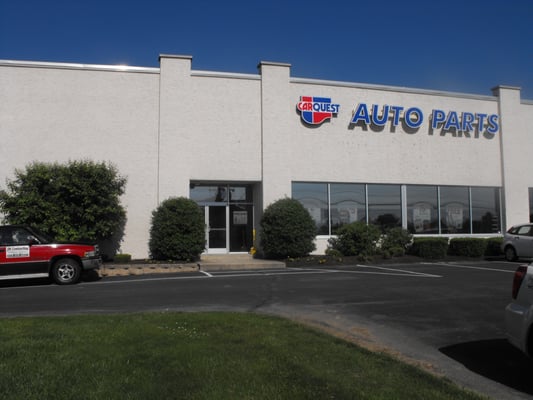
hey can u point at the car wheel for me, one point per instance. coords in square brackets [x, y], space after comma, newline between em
[66, 271]
[510, 253]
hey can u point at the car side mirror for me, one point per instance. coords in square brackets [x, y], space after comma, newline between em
[32, 240]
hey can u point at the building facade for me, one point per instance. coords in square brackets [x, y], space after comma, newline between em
[436, 163]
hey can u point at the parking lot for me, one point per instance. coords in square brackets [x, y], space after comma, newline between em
[446, 317]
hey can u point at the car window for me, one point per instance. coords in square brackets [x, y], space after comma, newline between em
[4, 237]
[15, 236]
[524, 230]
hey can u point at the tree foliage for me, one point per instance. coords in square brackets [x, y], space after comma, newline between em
[79, 200]
[177, 231]
[287, 230]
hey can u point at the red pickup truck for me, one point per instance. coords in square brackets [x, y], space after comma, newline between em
[27, 253]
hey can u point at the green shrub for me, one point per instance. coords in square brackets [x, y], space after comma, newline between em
[333, 252]
[494, 248]
[177, 231]
[356, 239]
[393, 252]
[395, 242]
[467, 247]
[430, 247]
[287, 230]
[122, 258]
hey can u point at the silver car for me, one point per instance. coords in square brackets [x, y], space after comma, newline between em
[518, 242]
[519, 313]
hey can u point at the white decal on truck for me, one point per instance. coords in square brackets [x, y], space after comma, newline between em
[17, 251]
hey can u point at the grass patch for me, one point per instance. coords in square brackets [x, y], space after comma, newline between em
[197, 356]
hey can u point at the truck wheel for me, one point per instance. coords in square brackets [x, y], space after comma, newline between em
[66, 271]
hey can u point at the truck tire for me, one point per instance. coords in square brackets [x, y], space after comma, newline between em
[510, 253]
[66, 271]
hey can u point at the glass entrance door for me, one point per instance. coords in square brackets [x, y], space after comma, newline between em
[217, 228]
[229, 216]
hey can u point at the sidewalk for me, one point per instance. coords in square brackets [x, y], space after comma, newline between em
[211, 262]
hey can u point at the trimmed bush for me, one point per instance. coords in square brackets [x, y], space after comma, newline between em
[287, 230]
[494, 248]
[430, 247]
[122, 258]
[395, 242]
[356, 239]
[178, 230]
[467, 247]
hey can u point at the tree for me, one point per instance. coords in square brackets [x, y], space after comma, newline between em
[76, 201]
[287, 230]
[177, 231]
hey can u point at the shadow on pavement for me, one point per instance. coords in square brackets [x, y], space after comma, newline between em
[497, 360]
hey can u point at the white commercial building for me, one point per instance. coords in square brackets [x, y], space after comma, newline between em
[436, 163]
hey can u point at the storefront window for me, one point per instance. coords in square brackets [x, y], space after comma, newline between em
[485, 210]
[454, 209]
[208, 194]
[314, 197]
[422, 209]
[462, 209]
[385, 205]
[240, 194]
[204, 193]
[530, 204]
[347, 203]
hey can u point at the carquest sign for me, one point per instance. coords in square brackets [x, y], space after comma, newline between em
[413, 117]
[315, 110]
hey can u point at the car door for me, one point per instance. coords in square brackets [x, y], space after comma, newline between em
[18, 254]
[523, 241]
[529, 244]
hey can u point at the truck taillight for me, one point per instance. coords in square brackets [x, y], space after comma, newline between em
[518, 278]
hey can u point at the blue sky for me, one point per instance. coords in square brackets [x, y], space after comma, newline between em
[465, 46]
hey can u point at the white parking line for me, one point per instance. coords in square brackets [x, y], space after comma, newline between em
[219, 275]
[394, 271]
[469, 267]
[288, 271]
[403, 271]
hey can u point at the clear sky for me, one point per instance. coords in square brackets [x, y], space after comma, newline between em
[465, 46]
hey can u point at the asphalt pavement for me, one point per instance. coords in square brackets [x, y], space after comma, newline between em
[445, 317]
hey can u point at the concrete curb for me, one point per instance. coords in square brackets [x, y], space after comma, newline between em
[145, 269]
[231, 262]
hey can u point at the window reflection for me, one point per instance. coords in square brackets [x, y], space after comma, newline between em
[204, 193]
[314, 198]
[348, 204]
[485, 210]
[385, 206]
[422, 209]
[459, 209]
[454, 209]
